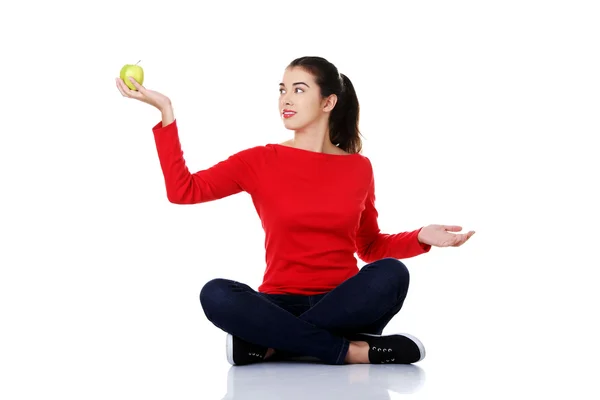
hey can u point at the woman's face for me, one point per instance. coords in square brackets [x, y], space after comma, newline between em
[298, 92]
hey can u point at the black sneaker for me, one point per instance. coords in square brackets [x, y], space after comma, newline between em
[400, 348]
[240, 352]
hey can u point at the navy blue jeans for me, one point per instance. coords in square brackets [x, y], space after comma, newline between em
[313, 326]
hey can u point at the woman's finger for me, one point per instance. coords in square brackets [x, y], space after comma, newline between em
[457, 241]
[123, 88]
[128, 92]
[464, 238]
[139, 87]
[120, 87]
[452, 228]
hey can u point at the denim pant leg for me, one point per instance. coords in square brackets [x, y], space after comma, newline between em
[238, 309]
[365, 302]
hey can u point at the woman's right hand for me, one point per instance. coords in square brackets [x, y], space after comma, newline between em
[148, 96]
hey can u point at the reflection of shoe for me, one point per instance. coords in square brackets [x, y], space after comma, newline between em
[404, 378]
[240, 352]
[400, 348]
[276, 381]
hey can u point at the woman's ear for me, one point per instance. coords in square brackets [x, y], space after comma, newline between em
[330, 103]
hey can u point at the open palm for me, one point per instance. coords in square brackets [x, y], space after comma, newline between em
[440, 236]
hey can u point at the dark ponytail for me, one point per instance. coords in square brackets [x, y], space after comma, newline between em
[343, 120]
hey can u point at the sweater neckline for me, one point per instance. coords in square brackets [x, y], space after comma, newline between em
[313, 153]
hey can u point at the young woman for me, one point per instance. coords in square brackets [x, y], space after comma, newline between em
[315, 196]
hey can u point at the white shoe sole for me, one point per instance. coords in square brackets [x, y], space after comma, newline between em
[229, 348]
[411, 337]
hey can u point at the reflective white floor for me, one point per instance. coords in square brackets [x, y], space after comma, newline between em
[308, 380]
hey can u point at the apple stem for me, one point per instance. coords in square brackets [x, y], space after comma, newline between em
[137, 62]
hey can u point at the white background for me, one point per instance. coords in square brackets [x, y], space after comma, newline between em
[480, 114]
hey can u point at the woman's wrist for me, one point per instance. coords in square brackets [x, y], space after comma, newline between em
[167, 113]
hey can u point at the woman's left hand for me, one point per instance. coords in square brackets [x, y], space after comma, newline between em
[440, 236]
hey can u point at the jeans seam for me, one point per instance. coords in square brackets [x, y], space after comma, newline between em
[344, 350]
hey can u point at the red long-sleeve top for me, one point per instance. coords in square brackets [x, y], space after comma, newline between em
[317, 209]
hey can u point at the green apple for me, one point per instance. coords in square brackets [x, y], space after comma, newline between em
[135, 71]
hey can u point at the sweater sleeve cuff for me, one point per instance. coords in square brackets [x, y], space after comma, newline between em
[159, 129]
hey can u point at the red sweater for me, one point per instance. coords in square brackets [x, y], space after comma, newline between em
[317, 209]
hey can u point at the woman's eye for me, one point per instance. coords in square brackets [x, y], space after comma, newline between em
[280, 90]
